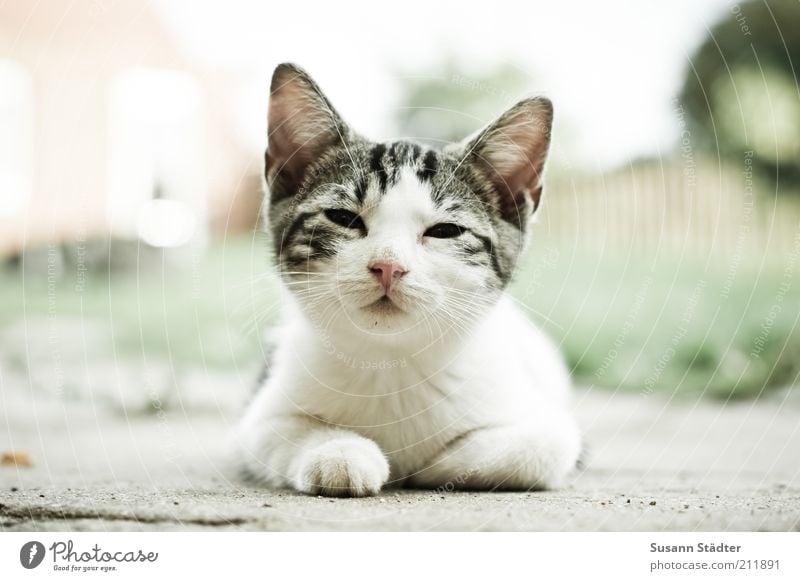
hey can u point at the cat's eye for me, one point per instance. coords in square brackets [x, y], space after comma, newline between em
[345, 218]
[444, 230]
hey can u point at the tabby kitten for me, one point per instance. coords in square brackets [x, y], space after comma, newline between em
[400, 360]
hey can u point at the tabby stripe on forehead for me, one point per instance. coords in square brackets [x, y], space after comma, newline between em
[391, 164]
[414, 152]
[430, 164]
[376, 164]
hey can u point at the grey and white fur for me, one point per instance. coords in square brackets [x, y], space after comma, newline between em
[400, 360]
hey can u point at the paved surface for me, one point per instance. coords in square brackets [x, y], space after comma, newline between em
[654, 465]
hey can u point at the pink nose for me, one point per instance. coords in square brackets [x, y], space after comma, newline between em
[387, 273]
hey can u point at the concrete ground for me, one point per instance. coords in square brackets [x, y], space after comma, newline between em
[654, 465]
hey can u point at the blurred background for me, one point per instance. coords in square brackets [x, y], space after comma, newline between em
[132, 272]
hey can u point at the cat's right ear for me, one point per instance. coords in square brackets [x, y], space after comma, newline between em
[302, 126]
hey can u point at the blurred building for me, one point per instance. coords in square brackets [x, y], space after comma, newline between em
[109, 131]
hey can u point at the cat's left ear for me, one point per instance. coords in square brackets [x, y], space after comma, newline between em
[511, 153]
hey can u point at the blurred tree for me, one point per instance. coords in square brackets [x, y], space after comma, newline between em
[741, 89]
[452, 104]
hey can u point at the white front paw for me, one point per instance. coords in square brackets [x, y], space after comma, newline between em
[341, 467]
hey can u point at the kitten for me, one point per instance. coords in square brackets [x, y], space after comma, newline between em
[400, 360]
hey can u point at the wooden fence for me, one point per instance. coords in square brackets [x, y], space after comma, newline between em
[672, 210]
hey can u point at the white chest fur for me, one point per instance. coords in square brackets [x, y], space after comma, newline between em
[413, 403]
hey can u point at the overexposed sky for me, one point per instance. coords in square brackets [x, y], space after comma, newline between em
[611, 67]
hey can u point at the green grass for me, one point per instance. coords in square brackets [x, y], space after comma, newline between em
[666, 326]
[633, 326]
[193, 312]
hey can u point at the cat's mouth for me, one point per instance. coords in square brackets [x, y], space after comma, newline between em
[384, 306]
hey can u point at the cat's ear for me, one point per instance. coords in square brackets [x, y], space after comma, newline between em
[302, 126]
[511, 153]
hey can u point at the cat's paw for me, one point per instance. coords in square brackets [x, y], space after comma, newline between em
[341, 467]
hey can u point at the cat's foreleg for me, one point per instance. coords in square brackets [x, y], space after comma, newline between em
[523, 456]
[312, 457]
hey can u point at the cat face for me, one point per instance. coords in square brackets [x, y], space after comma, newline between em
[397, 238]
